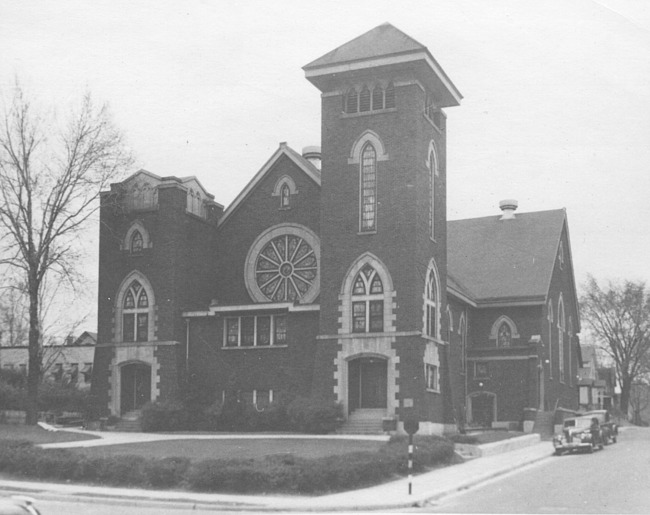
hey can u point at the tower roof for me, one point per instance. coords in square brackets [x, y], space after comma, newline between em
[383, 40]
[384, 45]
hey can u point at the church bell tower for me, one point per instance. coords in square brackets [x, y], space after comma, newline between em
[383, 223]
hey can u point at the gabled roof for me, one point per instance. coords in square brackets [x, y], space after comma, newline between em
[88, 337]
[499, 261]
[383, 46]
[283, 150]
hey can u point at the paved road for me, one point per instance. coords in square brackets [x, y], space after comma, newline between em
[615, 480]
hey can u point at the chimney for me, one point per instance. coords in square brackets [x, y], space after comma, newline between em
[508, 206]
[312, 154]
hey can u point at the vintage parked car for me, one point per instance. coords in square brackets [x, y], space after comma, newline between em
[579, 434]
[607, 426]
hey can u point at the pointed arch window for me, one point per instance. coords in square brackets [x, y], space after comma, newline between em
[136, 239]
[377, 98]
[390, 96]
[432, 305]
[367, 302]
[135, 314]
[352, 101]
[137, 243]
[462, 330]
[364, 100]
[504, 335]
[285, 196]
[549, 317]
[560, 338]
[570, 342]
[368, 189]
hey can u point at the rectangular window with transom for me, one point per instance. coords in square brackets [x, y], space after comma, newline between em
[431, 377]
[255, 331]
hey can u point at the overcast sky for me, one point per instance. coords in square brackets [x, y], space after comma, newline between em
[556, 108]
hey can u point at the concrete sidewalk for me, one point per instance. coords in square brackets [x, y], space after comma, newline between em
[426, 487]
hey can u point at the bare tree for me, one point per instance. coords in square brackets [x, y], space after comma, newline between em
[618, 317]
[50, 179]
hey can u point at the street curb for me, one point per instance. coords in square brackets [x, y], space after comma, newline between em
[487, 477]
[301, 505]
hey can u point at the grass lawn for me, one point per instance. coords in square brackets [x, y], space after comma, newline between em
[235, 448]
[38, 435]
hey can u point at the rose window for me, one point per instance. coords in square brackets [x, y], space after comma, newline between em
[286, 268]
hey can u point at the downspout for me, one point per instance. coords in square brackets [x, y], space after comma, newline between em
[187, 348]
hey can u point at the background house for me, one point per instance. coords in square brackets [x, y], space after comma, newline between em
[597, 384]
[67, 363]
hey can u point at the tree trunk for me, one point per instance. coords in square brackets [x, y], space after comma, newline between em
[34, 367]
[624, 403]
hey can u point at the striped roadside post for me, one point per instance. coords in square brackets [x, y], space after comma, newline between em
[411, 426]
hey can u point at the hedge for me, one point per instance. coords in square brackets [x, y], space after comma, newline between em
[301, 414]
[279, 473]
[51, 397]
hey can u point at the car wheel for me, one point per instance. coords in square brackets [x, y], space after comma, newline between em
[613, 439]
[590, 449]
[558, 452]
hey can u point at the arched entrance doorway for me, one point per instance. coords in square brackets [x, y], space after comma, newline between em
[367, 384]
[482, 409]
[135, 389]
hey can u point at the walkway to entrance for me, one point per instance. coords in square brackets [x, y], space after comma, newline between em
[117, 438]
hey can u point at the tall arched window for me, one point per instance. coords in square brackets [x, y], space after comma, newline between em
[450, 325]
[432, 304]
[560, 337]
[549, 317]
[367, 302]
[368, 190]
[135, 314]
[432, 193]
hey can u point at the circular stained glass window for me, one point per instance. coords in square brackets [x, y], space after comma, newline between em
[286, 268]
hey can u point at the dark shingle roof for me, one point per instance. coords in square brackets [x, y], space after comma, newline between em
[383, 40]
[496, 259]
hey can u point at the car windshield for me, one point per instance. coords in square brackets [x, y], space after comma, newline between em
[579, 423]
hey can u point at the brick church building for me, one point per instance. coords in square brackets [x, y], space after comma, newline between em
[335, 273]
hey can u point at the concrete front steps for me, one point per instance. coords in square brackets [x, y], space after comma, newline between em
[364, 422]
[130, 422]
